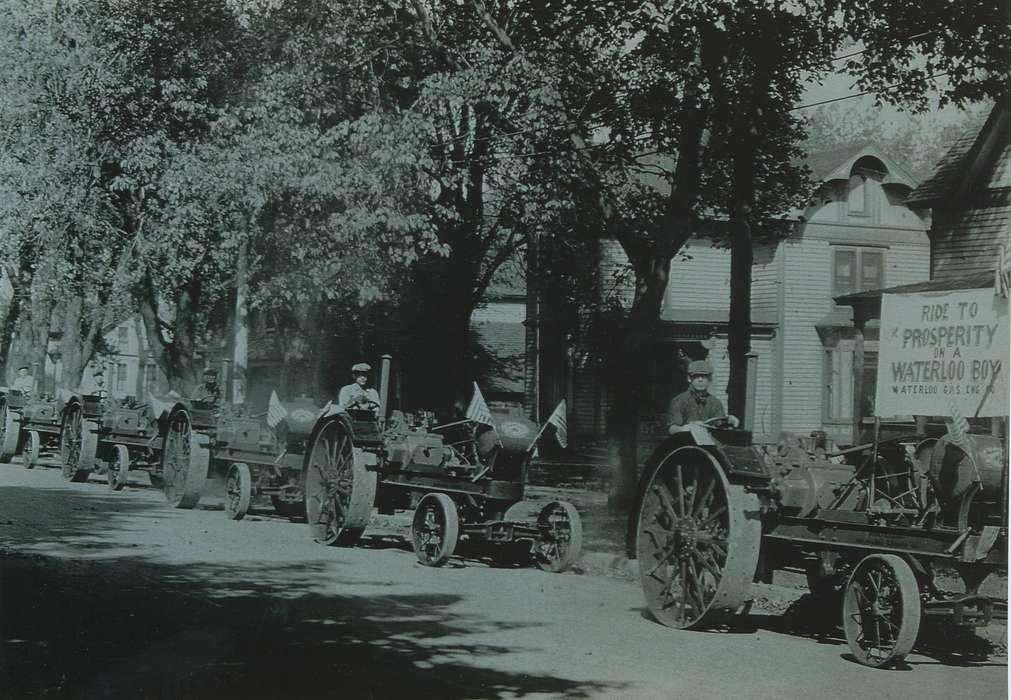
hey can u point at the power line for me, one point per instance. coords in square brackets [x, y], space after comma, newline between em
[868, 92]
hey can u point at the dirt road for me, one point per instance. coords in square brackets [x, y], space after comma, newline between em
[114, 595]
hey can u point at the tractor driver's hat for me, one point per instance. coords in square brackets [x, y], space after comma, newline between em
[210, 372]
[361, 368]
[22, 367]
[700, 367]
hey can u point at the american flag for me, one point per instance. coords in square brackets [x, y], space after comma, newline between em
[276, 412]
[557, 419]
[158, 406]
[478, 409]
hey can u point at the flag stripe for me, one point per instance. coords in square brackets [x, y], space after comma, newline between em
[478, 410]
[558, 419]
[276, 412]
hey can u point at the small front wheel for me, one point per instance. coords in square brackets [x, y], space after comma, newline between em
[30, 453]
[435, 529]
[561, 536]
[238, 491]
[119, 468]
[881, 610]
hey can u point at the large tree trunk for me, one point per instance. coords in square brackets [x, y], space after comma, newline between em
[175, 353]
[436, 350]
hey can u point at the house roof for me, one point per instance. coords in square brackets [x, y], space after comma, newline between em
[836, 163]
[951, 169]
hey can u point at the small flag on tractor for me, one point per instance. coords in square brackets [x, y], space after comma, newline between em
[276, 412]
[557, 419]
[158, 406]
[478, 410]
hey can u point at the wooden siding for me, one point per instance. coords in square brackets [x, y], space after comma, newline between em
[808, 299]
[969, 240]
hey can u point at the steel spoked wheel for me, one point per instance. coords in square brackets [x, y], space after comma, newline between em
[30, 453]
[435, 529]
[339, 490]
[561, 536]
[185, 457]
[697, 541]
[238, 491]
[10, 425]
[119, 468]
[78, 444]
[881, 610]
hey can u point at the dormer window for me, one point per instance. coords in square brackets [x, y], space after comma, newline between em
[864, 186]
[858, 195]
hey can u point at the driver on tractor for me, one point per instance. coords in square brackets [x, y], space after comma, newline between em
[210, 390]
[696, 405]
[358, 394]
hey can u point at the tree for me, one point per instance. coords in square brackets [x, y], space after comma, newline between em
[57, 249]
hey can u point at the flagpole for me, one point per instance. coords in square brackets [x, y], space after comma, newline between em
[538, 435]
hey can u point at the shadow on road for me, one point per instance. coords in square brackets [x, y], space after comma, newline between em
[123, 625]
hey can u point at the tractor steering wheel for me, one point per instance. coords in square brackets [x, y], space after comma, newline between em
[718, 422]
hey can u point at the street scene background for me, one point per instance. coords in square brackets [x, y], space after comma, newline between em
[554, 206]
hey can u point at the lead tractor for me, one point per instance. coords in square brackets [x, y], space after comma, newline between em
[716, 513]
[463, 482]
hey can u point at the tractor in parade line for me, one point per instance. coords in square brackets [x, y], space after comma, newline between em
[181, 444]
[30, 425]
[463, 482]
[716, 512]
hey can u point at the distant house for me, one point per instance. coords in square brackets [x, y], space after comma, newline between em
[856, 234]
[500, 330]
[969, 199]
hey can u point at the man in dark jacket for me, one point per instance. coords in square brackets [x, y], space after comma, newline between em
[696, 404]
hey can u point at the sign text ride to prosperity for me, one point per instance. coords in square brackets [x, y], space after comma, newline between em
[942, 353]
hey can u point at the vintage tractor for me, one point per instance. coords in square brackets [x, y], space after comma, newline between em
[112, 437]
[716, 512]
[30, 424]
[259, 460]
[202, 439]
[462, 481]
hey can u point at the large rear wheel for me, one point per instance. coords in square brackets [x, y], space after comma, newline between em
[339, 490]
[78, 444]
[881, 610]
[10, 425]
[697, 541]
[185, 458]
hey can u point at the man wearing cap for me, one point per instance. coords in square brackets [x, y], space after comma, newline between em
[97, 385]
[697, 404]
[24, 382]
[358, 394]
[209, 391]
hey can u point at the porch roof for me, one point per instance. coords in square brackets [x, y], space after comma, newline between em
[867, 305]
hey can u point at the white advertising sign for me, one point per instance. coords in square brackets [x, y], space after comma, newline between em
[943, 353]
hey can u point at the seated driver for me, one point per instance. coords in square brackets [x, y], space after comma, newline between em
[697, 404]
[358, 394]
